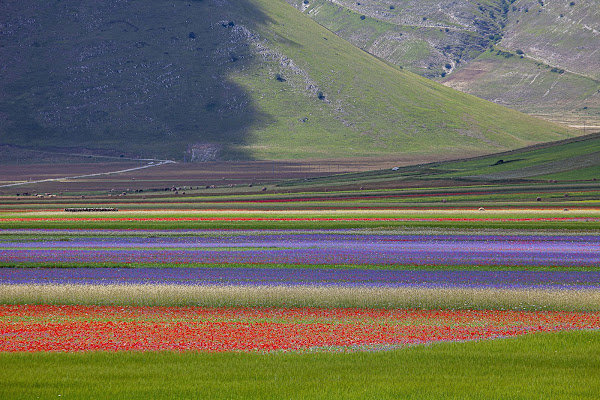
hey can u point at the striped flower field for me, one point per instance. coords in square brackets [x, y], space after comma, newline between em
[327, 290]
[321, 304]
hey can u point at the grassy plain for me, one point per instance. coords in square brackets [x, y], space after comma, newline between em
[560, 173]
[572, 163]
[560, 366]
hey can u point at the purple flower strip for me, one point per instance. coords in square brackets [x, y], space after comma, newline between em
[298, 277]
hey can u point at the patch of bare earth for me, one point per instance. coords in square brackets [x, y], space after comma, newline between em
[197, 175]
[18, 173]
[464, 77]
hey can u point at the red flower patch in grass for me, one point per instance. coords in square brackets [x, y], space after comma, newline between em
[109, 328]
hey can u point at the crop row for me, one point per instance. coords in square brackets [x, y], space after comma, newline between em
[317, 249]
[449, 298]
[521, 279]
[53, 328]
[309, 219]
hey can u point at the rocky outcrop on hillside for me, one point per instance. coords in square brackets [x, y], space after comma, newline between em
[428, 37]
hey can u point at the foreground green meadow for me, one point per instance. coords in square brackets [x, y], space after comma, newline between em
[558, 366]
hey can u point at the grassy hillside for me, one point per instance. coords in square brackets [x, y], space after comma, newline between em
[226, 79]
[572, 161]
[557, 78]
[448, 41]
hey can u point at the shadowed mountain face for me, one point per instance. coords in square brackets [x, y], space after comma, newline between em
[225, 79]
[152, 74]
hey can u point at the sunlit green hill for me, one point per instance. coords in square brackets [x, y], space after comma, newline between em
[571, 161]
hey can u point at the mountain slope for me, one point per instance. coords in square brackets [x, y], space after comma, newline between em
[558, 76]
[422, 36]
[226, 79]
[564, 34]
[559, 42]
[531, 87]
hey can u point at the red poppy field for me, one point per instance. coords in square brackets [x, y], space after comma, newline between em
[27, 328]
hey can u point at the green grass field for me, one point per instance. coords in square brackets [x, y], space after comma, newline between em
[558, 366]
